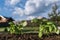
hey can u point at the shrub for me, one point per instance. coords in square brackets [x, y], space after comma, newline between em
[47, 28]
[16, 29]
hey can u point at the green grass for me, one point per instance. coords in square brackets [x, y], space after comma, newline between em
[30, 30]
[2, 29]
[25, 30]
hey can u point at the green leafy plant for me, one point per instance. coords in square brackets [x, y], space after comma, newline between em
[16, 29]
[47, 28]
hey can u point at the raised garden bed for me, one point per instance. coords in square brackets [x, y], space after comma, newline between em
[28, 36]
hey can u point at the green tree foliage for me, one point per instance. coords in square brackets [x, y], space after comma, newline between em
[54, 15]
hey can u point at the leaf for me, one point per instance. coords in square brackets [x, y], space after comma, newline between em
[49, 23]
[8, 29]
[54, 27]
[41, 28]
[57, 32]
[24, 23]
[50, 29]
[40, 34]
[46, 31]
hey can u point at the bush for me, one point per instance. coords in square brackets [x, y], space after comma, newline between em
[47, 28]
[16, 29]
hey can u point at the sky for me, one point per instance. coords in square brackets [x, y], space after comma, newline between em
[26, 9]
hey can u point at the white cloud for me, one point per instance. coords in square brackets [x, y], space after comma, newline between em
[32, 7]
[30, 17]
[47, 2]
[18, 11]
[12, 2]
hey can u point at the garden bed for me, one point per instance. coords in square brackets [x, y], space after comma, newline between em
[28, 36]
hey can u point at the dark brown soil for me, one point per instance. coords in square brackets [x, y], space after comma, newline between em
[29, 36]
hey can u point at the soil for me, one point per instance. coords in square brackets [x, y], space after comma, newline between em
[28, 36]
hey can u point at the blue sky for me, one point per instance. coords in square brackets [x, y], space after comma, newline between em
[26, 9]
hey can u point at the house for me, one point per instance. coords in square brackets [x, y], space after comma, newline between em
[4, 21]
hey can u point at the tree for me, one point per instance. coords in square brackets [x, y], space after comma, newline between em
[54, 15]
